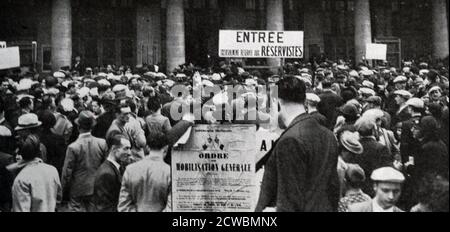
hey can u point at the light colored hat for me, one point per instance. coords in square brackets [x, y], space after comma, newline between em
[367, 91]
[400, 79]
[83, 92]
[368, 84]
[59, 74]
[423, 71]
[416, 102]
[102, 74]
[435, 88]
[406, 69]
[365, 124]
[93, 92]
[312, 97]
[373, 114]
[353, 73]
[169, 83]
[104, 82]
[67, 104]
[220, 99]
[403, 93]
[207, 83]
[387, 174]
[136, 76]
[367, 72]
[216, 77]
[119, 88]
[28, 121]
[250, 81]
[25, 84]
[350, 141]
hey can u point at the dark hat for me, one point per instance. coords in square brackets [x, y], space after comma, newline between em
[349, 109]
[85, 119]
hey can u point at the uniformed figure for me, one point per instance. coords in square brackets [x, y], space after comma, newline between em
[388, 188]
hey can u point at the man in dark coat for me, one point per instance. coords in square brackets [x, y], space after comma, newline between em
[300, 173]
[6, 182]
[375, 155]
[329, 103]
[108, 178]
[105, 120]
[409, 147]
[55, 144]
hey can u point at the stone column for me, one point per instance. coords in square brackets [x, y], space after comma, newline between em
[275, 22]
[313, 27]
[440, 29]
[61, 34]
[175, 40]
[363, 30]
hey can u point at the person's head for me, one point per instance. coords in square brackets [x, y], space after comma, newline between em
[349, 144]
[158, 142]
[354, 177]
[435, 93]
[85, 121]
[415, 105]
[123, 113]
[48, 120]
[402, 96]
[30, 148]
[387, 186]
[154, 104]
[94, 106]
[291, 93]
[26, 103]
[120, 148]
[312, 101]
[49, 102]
[77, 58]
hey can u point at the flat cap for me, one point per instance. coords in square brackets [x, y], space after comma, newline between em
[387, 174]
[400, 79]
[312, 97]
[403, 93]
[416, 102]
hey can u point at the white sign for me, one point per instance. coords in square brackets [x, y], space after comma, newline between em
[9, 58]
[215, 170]
[260, 44]
[376, 51]
[2, 44]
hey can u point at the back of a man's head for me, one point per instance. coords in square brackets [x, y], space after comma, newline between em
[157, 140]
[30, 148]
[292, 89]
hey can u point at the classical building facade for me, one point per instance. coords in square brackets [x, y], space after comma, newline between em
[171, 32]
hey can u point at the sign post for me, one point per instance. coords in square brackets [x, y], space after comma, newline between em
[214, 171]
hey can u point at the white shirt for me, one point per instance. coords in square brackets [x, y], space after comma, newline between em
[376, 208]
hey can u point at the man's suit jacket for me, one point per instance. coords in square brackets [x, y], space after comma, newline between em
[301, 172]
[107, 188]
[83, 158]
[366, 207]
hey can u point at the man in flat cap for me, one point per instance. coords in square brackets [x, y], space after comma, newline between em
[402, 113]
[388, 188]
[312, 100]
[409, 147]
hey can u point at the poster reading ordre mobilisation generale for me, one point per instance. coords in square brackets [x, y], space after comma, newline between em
[214, 171]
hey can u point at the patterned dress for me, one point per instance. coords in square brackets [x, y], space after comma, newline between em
[352, 198]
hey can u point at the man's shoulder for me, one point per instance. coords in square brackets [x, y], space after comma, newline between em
[361, 207]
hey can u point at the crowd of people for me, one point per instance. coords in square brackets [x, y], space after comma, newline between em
[355, 138]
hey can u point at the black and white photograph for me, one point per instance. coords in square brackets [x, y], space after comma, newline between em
[224, 106]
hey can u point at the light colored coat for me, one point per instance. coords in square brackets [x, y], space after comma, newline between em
[366, 207]
[37, 188]
[146, 186]
[83, 158]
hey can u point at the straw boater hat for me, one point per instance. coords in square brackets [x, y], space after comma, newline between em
[28, 121]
